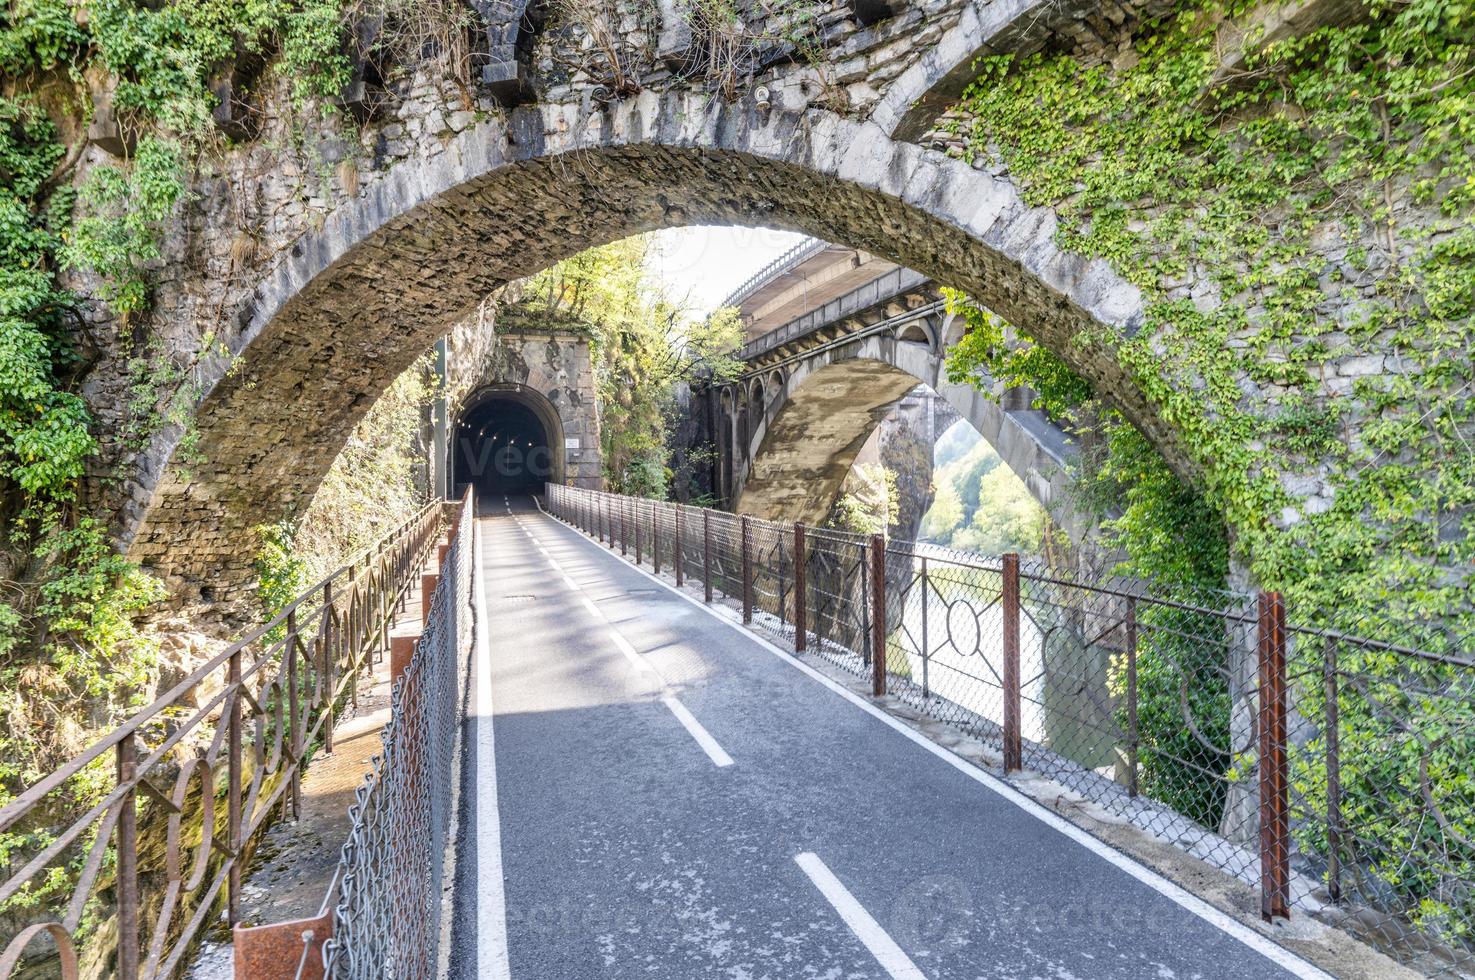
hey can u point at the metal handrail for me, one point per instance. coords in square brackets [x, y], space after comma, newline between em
[286, 689]
[792, 257]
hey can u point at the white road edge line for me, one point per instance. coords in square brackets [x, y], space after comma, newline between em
[703, 737]
[491, 900]
[1263, 945]
[891, 957]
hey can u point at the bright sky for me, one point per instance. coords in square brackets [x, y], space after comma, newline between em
[706, 263]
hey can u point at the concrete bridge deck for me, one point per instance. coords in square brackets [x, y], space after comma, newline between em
[661, 794]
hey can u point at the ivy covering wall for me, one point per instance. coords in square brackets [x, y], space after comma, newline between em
[71, 657]
[1301, 222]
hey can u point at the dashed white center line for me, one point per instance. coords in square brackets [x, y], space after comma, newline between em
[623, 645]
[866, 929]
[694, 728]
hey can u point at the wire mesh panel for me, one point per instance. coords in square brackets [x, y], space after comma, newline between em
[387, 919]
[1379, 762]
[1332, 773]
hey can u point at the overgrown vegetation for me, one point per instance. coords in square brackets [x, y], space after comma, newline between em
[1312, 206]
[868, 502]
[67, 612]
[979, 504]
[646, 344]
[72, 660]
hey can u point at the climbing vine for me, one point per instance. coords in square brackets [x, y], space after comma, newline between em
[1302, 222]
[71, 656]
[1300, 226]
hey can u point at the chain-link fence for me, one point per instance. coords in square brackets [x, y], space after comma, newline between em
[1332, 773]
[387, 920]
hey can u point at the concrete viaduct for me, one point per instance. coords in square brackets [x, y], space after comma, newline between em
[819, 383]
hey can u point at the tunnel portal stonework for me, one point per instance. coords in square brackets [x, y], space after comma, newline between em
[550, 369]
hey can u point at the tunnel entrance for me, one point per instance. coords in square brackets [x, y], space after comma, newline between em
[504, 443]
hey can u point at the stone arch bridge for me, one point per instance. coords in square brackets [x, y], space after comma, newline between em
[457, 204]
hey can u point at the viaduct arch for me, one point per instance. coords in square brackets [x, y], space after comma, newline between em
[348, 307]
[816, 414]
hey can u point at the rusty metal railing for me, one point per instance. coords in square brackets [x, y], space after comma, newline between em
[387, 916]
[1330, 772]
[120, 857]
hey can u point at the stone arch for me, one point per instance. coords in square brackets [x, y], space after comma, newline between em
[535, 402]
[775, 382]
[916, 332]
[937, 79]
[793, 467]
[348, 307]
[757, 399]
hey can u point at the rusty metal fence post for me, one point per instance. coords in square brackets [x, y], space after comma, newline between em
[294, 711]
[655, 539]
[878, 615]
[1274, 782]
[926, 639]
[1133, 735]
[747, 566]
[706, 555]
[1009, 599]
[801, 600]
[676, 547]
[127, 866]
[1332, 687]
[233, 788]
[327, 654]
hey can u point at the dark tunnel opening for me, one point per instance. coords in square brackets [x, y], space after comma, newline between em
[501, 447]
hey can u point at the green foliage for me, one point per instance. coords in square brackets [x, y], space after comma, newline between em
[1322, 206]
[645, 345]
[1013, 360]
[71, 659]
[1329, 135]
[124, 216]
[869, 502]
[281, 572]
[37, 35]
[979, 505]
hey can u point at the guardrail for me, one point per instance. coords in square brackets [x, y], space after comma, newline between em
[387, 916]
[790, 258]
[1331, 772]
[885, 287]
[116, 868]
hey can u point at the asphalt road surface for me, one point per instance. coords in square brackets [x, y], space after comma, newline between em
[660, 795]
